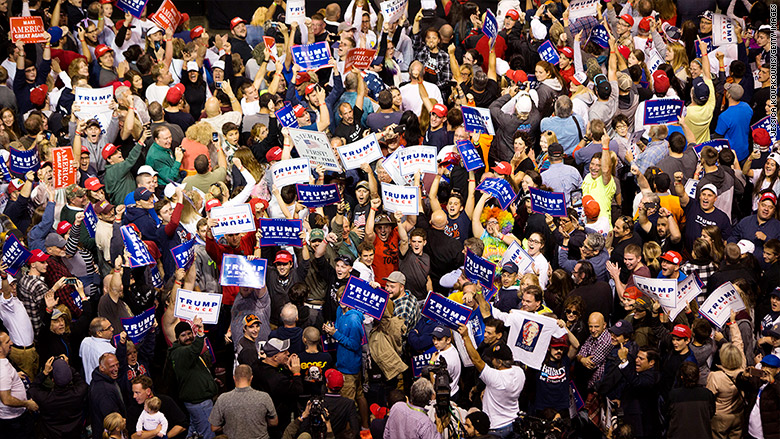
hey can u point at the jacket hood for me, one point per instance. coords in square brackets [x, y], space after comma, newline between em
[97, 376]
[134, 213]
[553, 83]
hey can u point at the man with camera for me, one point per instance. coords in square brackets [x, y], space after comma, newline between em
[339, 411]
[762, 391]
[503, 384]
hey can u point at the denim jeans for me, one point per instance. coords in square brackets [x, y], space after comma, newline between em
[504, 432]
[199, 418]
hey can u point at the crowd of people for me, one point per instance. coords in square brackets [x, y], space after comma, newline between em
[193, 126]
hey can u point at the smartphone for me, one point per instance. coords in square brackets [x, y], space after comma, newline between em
[47, 134]
[428, 13]
[399, 129]
[214, 137]
[219, 84]
[71, 281]
[752, 371]
[576, 197]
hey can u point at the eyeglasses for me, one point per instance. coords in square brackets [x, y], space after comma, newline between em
[535, 241]
[109, 327]
[573, 312]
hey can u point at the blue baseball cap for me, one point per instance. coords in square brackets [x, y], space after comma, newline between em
[771, 361]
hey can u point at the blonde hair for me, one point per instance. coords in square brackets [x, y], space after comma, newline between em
[201, 132]
[259, 17]
[680, 58]
[651, 252]
[731, 357]
[112, 422]
[189, 213]
[154, 403]
[530, 278]
[73, 68]
[250, 162]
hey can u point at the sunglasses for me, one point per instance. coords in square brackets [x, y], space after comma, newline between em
[572, 312]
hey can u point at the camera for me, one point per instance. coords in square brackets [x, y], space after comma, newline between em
[214, 137]
[441, 385]
[532, 427]
[399, 129]
[316, 412]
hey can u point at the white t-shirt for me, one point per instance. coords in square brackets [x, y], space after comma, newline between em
[149, 422]
[410, 96]
[453, 367]
[366, 272]
[156, 93]
[9, 380]
[250, 108]
[502, 389]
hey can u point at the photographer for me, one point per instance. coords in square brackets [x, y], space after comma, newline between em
[340, 412]
[442, 339]
[408, 420]
[762, 390]
[503, 384]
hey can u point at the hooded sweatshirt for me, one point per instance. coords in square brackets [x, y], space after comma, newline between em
[143, 220]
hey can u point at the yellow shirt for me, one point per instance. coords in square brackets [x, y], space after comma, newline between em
[698, 118]
[603, 194]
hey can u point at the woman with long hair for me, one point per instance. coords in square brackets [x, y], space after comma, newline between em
[551, 85]
[136, 83]
[254, 167]
[637, 58]
[651, 252]
[10, 124]
[678, 59]
[729, 402]
[715, 238]
[766, 179]
[558, 289]
[667, 11]
[190, 212]
[114, 426]
[413, 135]
[575, 318]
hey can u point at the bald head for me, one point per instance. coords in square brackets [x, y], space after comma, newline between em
[333, 12]
[445, 33]
[596, 324]
[439, 220]
[212, 107]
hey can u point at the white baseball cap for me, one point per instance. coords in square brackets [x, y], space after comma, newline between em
[146, 169]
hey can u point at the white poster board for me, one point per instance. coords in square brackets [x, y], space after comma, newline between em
[316, 147]
[191, 304]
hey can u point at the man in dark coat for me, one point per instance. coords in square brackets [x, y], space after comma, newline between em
[104, 395]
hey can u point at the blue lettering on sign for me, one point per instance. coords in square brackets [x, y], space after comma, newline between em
[318, 195]
[553, 203]
[499, 188]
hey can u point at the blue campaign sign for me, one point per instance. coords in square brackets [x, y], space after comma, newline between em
[469, 155]
[553, 203]
[499, 188]
[76, 299]
[419, 361]
[489, 293]
[445, 311]
[490, 28]
[280, 232]
[15, 255]
[4, 169]
[139, 253]
[312, 195]
[600, 36]
[766, 123]
[477, 326]
[90, 220]
[548, 53]
[329, 344]
[479, 270]
[238, 271]
[663, 111]
[154, 274]
[137, 327]
[710, 46]
[473, 121]
[360, 295]
[184, 254]
[311, 56]
[718, 144]
[24, 161]
[286, 117]
[134, 7]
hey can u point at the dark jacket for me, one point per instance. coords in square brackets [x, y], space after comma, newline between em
[770, 402]
[343, 413]
[143, 220]
[640, 401]
[195, 381]
[61, 408]
[690, 413]
[104, 398]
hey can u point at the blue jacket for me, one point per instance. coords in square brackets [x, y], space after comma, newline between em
[40, 231]
[349, 334]
[420, 337]
[747, 228]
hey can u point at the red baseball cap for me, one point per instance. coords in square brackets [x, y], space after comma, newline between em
[101, 50]
[196, 32]
[299, 110]
[185, 17]
[15, 185]
[174, 94]
[682, 331]
[63, 227]
[628, 19]
[38, 94]
[502, 168]
[334, 379]
[672, 256]
[513, 14]
[255, 201]
[309, 89]
[567, 51]
[274, 154]
[93, 184]
[302, 77]
[591, 206]
[518, 76]
[106, 2]
[625, 51]
[38, 256]
[761, 137]
[212, 203]
[660, 81]
[283, 256]
[559, 342]
[109, 150]
[439, 110]
[236, 21]
[768, 196]
[632, 292]
[644, 24]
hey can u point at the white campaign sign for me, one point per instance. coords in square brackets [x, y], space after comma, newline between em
[717, 308]
[292, 171]
[687, 290]
[295, 12]
[95, 103]
[404, 199]
[315, 146]
[485, 113]
[515, 253]
[355, 154]
[233, 219]
[392, 165]
[393, 9]
[582, 8]
[418, 158]
[191, 304]
[722, 30]
[662, 290]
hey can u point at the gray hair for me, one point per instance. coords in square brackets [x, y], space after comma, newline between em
[421, 393]
[596, 241]
[289, 314]
[563, 107]
[96, 325]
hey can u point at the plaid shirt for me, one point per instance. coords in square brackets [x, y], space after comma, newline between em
[408, 309]
[597, 349]
[31, 291]
[653, 154]
[703, 271]
[54, 272]
[433, 63]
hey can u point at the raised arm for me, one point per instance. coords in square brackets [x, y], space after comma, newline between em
[403, 236]
[606, 159]
[678, 186]
[705, 60]
[470, 349]
[476, 226]
[469, 208]
[370, 235]
[434, 194]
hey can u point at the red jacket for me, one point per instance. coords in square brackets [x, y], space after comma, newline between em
[246, 247]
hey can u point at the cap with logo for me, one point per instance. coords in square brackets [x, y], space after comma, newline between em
[632, 293]
[513, 14]
[441, 332]
[672, 256]
[236, 21]
[197, 32]
[38, 256]
[502, 352]
[274, 154]
[212, 203]
[142, 193]
[509, 267]
[93, 184]
[746, 246]
[103, 207]
[283, 256]
[622, 327]
[74, 191]
[63, 227]
[251, 319]
[559, 342]
[109, 150]
[316, 235]
[710, 187]
[628, 19]
[275, 346]
[681, 331]
[439, 110]
[502, 168]
[334, 379]
[101, 50]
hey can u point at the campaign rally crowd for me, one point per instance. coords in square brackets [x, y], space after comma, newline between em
[455, 219]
